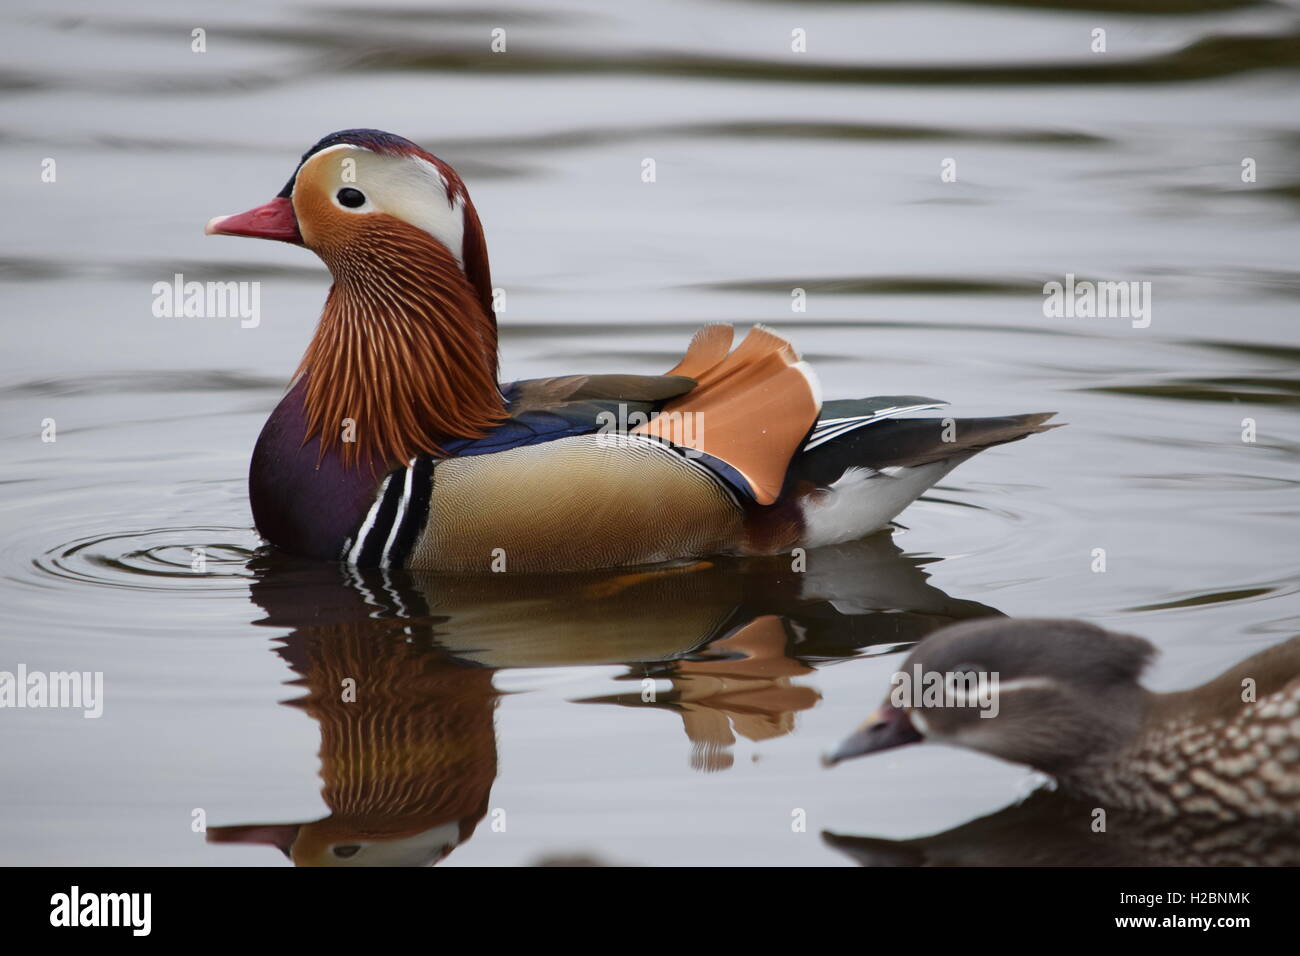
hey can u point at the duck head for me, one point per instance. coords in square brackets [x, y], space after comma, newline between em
[331, 842]
[406, 348]
[1045, 693]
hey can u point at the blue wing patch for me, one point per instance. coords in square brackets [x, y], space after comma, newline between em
[528, 428]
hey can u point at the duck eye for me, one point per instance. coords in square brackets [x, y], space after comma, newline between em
[348, 849]
[352, 198]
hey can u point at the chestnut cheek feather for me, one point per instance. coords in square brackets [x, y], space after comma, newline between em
[403, 348]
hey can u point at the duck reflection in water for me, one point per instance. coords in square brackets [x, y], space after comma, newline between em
[1051, 829]
[408, 753]
[408, 746]
[741, 683]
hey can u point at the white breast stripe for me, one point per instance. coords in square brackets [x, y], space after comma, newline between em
[397, 518]
[355, 553]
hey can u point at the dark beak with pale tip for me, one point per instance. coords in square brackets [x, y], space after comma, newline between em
[887, 728]
[275, 220]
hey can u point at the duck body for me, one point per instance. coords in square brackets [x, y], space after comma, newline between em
[1245, 766]
[397, 446]
[552, 490]
[516, 499]
[1209, 752]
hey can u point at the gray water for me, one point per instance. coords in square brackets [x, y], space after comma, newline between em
[774, 170]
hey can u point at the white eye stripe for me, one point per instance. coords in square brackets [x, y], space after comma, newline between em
[960, 696]
[1007, 687]
[1027, 683]
[918, 722]
[406, 187]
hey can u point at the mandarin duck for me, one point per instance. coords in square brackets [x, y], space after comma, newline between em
[1067, 701]
[397, 446]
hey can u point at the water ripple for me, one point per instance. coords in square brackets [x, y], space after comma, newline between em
[157, 559]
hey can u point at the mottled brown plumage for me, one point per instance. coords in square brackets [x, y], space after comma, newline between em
[1207, 751]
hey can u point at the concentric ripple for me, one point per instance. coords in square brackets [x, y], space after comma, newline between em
[157, 559]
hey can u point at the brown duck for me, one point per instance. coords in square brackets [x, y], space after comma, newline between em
[1068, 703]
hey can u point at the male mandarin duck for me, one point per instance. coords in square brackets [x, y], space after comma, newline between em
[1068, 703]
[397, 446]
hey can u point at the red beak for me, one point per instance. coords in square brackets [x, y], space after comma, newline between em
[280, 835]
[275, 220]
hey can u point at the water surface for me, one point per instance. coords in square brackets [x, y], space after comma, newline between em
[508, 719]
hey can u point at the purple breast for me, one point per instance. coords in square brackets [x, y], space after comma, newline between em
[303, 502]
